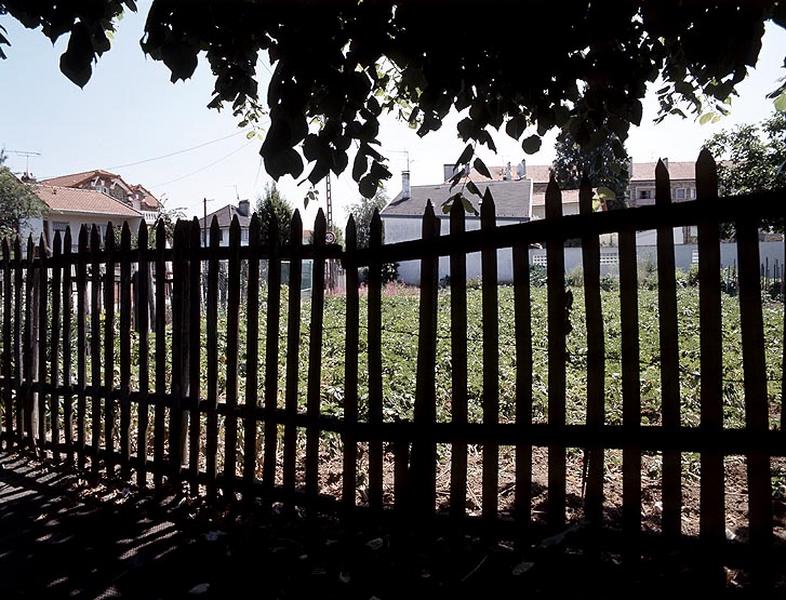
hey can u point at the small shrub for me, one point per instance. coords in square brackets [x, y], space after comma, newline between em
[609, 282]
[537, 275]
[575, 278]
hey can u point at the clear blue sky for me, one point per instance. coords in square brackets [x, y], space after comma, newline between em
[129, 111]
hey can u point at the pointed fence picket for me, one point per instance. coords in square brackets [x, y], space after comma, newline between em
[206, 303]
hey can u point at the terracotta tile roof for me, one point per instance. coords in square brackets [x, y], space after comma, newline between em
[75, 179]
[76, 200]
[677, 171]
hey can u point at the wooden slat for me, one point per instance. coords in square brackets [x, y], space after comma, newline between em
[374, 300]
[125, 351]
[522, 306]
[458, 361]
[556, 327]
[17, 342]
[631, 391]
[233, 308]
[211, 330]
[712, 522]
[490, 297]
[252, 357]
[159, 414]
[596, 362]
[315, 356]
[351, 343]
[143, 326]
[8, 320]
[68, 310]
[81, 346]
[194, 353]
[179, 375]
[273, 317]
[422, 481]
[293, 350]
[41, 341]
[109, 349]
[27, 346]
[669, 359]
[54, 348]
[95, 348]
[754, 367]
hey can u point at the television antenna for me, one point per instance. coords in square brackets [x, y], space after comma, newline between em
[28, 154]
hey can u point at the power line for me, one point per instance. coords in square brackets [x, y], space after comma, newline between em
[147, 160]
[215, 162]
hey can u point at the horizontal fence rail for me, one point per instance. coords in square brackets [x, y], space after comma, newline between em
[181, 363]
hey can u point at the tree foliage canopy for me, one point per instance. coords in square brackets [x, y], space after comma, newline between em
[17, 203]
[271, 204]
[604, 165]
[363, 211]
[581, 66]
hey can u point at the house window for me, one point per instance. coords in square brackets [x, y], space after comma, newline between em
[679, 194]
[244, 235]
[59, 226]
[692, 193]
[645, 194]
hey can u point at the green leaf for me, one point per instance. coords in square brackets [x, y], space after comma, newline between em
[515, 127]
[473, 189]
[780, 103]
[531, 144]
[706, 118]
[466, 155]
[481, 168]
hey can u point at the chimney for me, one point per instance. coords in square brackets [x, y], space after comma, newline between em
[521, 169]
[244, 207]
[448, 170]
[507, 172]
[406, 190]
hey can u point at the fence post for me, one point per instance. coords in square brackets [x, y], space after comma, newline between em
[458, 359]
[194, 350]
[68, 309]
[40, 342]
[29, 338]
[211, 330]
[272, 243]
[179, 377]
[669, 359]
[54, 369]
[557, 355]
[315, 356]
[596, 364]
[351, 342]
[143, 325]
[159, 413]
[756, 401]
[293, 350]
[252, 357]
[95, 348]
[631, 392]
[490, 302]
[233, 309]
[81, 346]
[109, 348]
[422, 480]
[374, 301]
[7, 345]
[125, 351]
[712, 501]
[18, 348]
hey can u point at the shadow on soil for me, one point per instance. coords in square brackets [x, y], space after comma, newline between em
[63, 538]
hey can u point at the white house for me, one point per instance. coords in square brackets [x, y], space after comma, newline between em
[224, 216]
[74, 207]
[402, 220]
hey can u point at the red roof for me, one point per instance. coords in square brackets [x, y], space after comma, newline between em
[76, 200]
[76, 180]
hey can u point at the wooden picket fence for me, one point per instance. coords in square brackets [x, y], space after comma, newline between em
[56, 407]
